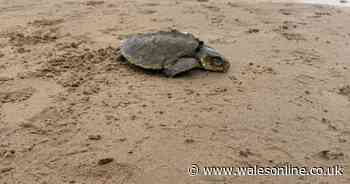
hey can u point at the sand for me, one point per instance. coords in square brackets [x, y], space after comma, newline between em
[69, 113]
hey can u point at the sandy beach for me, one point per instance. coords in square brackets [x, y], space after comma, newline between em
[71, 114]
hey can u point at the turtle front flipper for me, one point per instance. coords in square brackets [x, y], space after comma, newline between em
[181, 65]
[120, 58]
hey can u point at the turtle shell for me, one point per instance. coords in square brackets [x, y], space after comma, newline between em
[159, 50]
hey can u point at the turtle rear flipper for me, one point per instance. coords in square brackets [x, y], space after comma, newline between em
[180, 66]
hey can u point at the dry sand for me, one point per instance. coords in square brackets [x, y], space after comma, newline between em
[71, 114]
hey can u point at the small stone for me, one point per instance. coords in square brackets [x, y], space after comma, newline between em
[331, 155]
[105, 161]
[324, 120]
[122, 139]
[285, 27]
[133, 117]
[94, 3]
[188, 141]
[246, 153]
[22, 50]
[253, 30]
[95, 137]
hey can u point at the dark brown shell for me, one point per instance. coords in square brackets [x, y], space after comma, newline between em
[159, 50]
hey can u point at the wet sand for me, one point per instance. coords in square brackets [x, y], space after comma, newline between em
[69, 113]
[337, 3]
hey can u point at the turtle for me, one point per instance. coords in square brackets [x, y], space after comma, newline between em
[173, 52]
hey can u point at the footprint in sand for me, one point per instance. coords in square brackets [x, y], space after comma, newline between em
[94, 3]
[329, 155]
[147, 11]
[151, 4]
[308, 57]
[108, 171]
[254, 70]
[222, 41]
[46, 22]
[211, 7]
[286, 31]
[345, 91]
[23, 99]
[335, 99]
[38, 37]
[276, 154]
[293, 36]
[217, 20]
[16, 96]
[307, 80]
[287, 12]
[320, 14]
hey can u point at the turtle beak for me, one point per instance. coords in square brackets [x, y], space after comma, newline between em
[226, 66]
[218, 64]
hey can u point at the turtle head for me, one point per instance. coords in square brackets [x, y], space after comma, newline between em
[211, 60]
